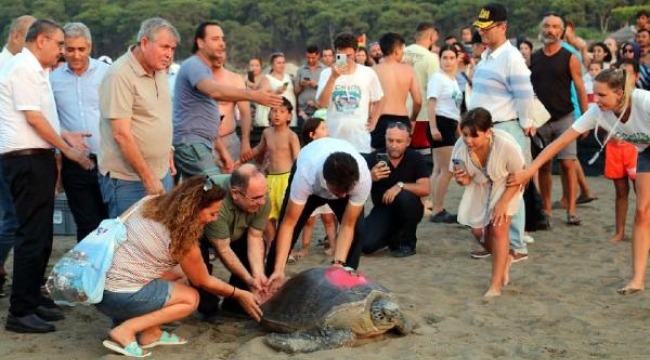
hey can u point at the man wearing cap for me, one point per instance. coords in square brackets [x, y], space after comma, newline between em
[501, 84]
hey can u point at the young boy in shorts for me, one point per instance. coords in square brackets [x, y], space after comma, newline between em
[281, 145]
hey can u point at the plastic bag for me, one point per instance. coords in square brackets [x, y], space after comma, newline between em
[79, 276]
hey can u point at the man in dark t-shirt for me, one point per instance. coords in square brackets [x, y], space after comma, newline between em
[553, 68]
[400, 178]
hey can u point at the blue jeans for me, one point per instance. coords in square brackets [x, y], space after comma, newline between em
[195, 159]
[516, 231]
[122, 306]
[8, 221]
[119, 195]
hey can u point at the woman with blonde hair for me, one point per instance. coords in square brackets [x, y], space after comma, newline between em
[142, 289]
[624, 112]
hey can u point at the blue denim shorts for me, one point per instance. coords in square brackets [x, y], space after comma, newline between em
[121, 306]
[643, 161]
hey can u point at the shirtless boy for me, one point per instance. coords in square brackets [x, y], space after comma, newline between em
[397, 80]
[281, 145]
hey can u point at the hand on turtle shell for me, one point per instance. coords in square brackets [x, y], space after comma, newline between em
[249, 302]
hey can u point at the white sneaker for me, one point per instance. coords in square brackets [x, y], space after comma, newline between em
[528, 239]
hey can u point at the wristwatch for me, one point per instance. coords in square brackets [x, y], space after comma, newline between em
[400, 185]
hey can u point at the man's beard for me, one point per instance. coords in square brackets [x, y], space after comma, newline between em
[548, 39]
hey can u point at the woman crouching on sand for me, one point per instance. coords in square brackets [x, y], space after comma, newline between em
[481, 161]
[141, 292]
[624, 112]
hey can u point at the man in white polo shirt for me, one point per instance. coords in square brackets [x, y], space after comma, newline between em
[29, 129]
[327, 171]
[501, 84]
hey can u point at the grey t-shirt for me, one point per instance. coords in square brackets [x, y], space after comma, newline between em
[308, 92]
[196, 116]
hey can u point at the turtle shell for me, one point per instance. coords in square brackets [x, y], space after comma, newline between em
[324, 297]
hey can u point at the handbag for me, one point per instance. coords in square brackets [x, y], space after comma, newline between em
[540, 114]
[79, 276]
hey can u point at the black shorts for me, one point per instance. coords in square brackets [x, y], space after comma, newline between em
[378, 136]
[447, 128]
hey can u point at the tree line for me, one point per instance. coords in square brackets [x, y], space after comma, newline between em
[259, 27]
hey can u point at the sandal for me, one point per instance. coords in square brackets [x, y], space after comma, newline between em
[166, 339]
[131, 350]
[572, 219]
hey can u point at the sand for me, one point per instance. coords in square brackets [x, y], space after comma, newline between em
[561, 302]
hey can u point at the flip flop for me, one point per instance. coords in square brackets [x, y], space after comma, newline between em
[585, 199]
[166, 339]
[131, 350]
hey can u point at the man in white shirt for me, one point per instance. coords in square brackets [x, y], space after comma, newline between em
[29, 131]
[351, 94]
[327, 171]
[15, 43]
[501, 85]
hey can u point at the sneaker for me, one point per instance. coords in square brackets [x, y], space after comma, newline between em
[443, 217]
[403, 251]
[528, 239]
[480, 254]
[517, 257]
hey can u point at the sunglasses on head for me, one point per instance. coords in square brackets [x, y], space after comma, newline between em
[209, 184]
[399, 125]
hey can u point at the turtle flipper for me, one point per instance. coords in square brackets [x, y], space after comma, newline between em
[404, 325]
[310, 340]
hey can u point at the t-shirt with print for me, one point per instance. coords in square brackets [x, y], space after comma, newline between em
[196, 116]
[447, 93]
[349, 106]
[636, 130]
[232, 222]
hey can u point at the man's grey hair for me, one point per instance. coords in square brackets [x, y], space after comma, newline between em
[77, 30]
[19, 24]
[150, 28]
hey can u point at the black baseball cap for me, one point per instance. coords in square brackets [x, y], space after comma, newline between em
[491, 14]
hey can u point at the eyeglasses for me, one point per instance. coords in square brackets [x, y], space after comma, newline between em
[487, 29]
[628, 50]
[209, 184]
[60, 43]
[255, 199]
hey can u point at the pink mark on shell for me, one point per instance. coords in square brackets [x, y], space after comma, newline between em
[345, 279]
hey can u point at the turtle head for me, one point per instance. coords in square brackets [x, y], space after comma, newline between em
[385, 313]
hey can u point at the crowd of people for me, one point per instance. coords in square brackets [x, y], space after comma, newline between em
[128, 137]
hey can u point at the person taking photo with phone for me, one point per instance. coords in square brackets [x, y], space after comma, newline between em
[399, 179]
[277, 82]
[352, 94]
[306, 82]
[481, 161]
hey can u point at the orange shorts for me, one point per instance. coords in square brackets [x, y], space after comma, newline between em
[620, 160]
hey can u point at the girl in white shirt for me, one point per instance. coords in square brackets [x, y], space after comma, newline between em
[624, 112]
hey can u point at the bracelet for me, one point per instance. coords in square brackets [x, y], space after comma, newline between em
[233, 292]
[338, 262]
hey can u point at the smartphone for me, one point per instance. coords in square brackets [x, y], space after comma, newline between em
[341, 60]
[382, 157]
[251, 77]
[307, 79]
[459, 164]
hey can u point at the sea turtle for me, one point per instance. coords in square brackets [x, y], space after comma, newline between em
[325, 308]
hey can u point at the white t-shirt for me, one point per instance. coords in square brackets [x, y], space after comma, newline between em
[349, 106]
[636, 130]
[308, 178]
[425, 63]
[24, 85]
[447, 93]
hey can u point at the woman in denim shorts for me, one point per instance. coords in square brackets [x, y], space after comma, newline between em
[624, 112]
[144, 287]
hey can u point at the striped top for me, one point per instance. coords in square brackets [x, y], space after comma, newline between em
[501, 85]
[143, 257]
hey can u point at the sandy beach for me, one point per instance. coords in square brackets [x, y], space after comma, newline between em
[561, 302]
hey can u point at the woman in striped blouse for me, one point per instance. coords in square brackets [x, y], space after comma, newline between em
[143, 288]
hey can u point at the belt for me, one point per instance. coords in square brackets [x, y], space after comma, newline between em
[505, 121]
[26, 152]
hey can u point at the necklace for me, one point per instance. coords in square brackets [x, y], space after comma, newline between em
[474, 158]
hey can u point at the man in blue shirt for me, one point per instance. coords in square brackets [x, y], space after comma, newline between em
[76, 91]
